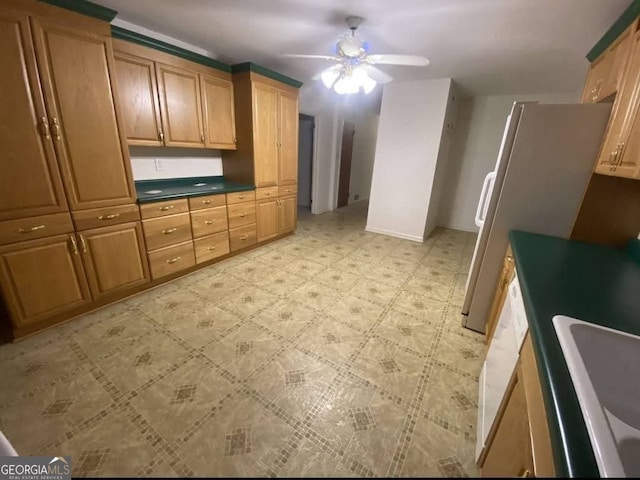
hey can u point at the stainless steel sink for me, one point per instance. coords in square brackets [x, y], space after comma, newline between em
[603, 364]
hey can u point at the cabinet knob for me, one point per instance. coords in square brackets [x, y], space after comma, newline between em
[169, 231]
[202, 138]
[243, 237]
[209, 222]
[29, 230]
[211, 248]
[267, 193]
[206, 202]
[173, 260]
[109, 217]
[242, 215]
[241, 197]
[166, 207]
[161, 135]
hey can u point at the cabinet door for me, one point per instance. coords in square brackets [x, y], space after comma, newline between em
[42, 278]
[267, 219]
[114, 258]
[619, 155]
[288, 143]
[288, 214]
[180, 106]
[500, 295]
[265, 136]
[75, 69]
[30, 182]
[138, 95]
[618, 54]
[595, 79]
[218, 111]
[509, 452]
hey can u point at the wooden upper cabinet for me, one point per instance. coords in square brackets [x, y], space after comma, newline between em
[595, 79]
[218, 112]
[30, 182]
[138, 96]
[288, 142]
[75, 71]
[265, 134]
[180, 106]
[42, 278]
[114, 258]
[620, 152]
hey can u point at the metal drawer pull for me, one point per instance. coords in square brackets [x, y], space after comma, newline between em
[242, 215]
[169, 230]
[161, 135]
[241, 197]
[74, 245]
[267, 193]
[209, 222]
[168, 207]
[44, 128]
[109, 217]
[29, 230]
[206, 202]
[173, 260]
[211, 248]
[56, 128]
[243, 237]
[83, 244]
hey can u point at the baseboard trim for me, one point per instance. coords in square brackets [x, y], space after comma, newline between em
[459, 227]
[394, 234]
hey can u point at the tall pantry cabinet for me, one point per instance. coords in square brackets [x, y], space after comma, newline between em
[65, 180]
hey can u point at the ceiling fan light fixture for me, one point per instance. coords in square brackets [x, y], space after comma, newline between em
[364, 80]
[329, 77]
[346, 84]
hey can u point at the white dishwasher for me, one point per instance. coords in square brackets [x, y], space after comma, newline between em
[500, 362]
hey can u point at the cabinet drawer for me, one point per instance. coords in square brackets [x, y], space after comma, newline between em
[209, 201]
[35, 227]
[238, 197]
[265, 193]
[242, 237]
[213, 246]
[206, 222]
[171, 259]
[160, 209]
[102, 217]
[165, 231]
[287, 190]
[241, 214]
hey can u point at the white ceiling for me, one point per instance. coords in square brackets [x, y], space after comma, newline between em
[488, 47]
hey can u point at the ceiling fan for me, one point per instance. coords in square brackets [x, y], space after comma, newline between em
[354, 68]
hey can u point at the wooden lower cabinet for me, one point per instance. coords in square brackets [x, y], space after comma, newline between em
[42, 278]
[165, 231]
[243, 237]
[169, 260]
[288, 214]
[213, 246]
[114, 258]
[267, 213]
[500, 295]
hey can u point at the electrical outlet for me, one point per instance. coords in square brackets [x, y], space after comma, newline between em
[159, 165]
[356, 197]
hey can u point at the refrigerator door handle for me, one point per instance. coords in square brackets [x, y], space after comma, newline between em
[481, 211]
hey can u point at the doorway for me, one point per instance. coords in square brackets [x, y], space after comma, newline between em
[307, 125]
[346, 151]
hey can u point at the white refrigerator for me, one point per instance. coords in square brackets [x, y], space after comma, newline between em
[544, 164]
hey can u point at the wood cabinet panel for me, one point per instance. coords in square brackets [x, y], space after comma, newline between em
[209, 221]
[240, 197]
[171, 259]
[138, 95]
[165, 231]
[266, 193]
[102, 217]
[267, 219]
[241, 214]
[42, 278]
[30, 182]
[265, 134]
[218, 112]
[90, 145]
[288, 214]
[162, 209]
[180, 106]
[242, 237]
[114, 258]
[287, 190]
[213, 246]
[209, 201]
[288, 141]
[500, 296]
[22, 229]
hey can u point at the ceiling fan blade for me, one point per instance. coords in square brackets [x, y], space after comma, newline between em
[412, 60]
[295, 55]
[377, 74]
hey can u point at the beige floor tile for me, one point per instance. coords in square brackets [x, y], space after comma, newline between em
[374, 291]
[461, 352]
[408, 331]
[312, 461]
[206, 324]
[338, 280]
[304, 268]
[331, 339]
[248, 300]
[420, 306]
[286, 317]
[315, 295]
[357, 312]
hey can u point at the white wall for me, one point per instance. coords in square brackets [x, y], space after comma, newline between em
[474, 150]
[174, 162]
[364, 150]
[409, 133]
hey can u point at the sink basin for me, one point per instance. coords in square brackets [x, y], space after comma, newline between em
[603, 365]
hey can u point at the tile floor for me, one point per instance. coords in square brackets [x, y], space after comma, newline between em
[333, 352]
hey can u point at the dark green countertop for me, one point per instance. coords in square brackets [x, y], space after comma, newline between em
[185, 187]
[590, 282]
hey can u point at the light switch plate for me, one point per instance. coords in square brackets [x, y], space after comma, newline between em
[159, 165]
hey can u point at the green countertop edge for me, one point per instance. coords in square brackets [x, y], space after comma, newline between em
[85, 8]
[134, 37]
[591, 282]
[189, 181]
[252, 67]
[627, 17]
